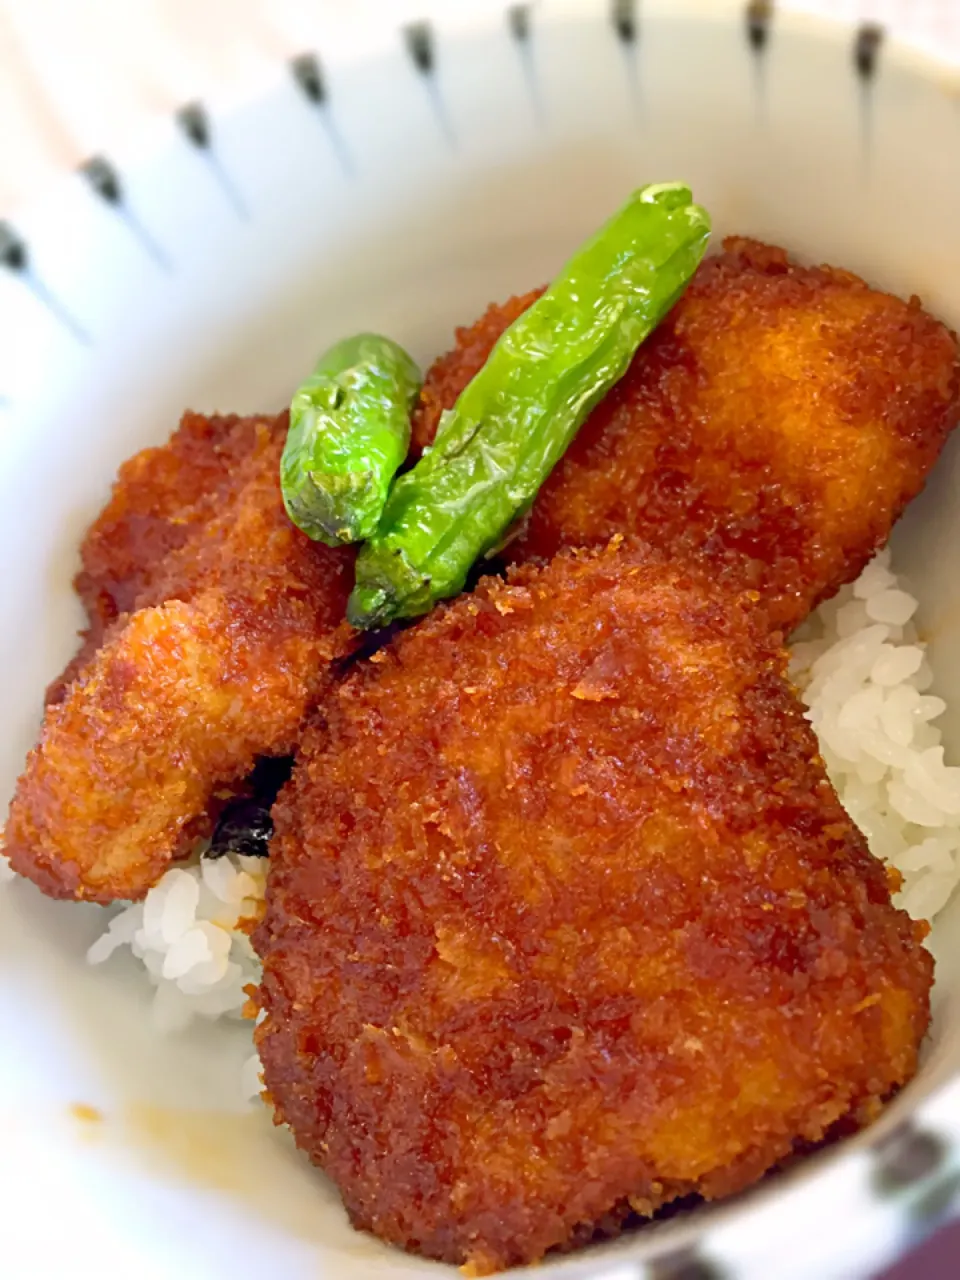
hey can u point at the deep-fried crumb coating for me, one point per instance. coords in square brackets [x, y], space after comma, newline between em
[186, 692]
[565, 918]
[780, 419]
[161, 499]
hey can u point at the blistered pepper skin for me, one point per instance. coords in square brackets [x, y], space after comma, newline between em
[514, 421]
[349, 432]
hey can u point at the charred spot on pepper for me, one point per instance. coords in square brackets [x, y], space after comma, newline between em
[349, 432]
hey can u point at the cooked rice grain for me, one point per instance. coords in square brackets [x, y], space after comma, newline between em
[189, 934]
[864, 675]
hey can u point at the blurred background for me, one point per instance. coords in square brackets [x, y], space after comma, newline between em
[82, 77]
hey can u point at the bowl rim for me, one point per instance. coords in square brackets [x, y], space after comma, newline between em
[355, 39]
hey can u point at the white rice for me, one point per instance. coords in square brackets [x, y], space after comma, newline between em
[861, 671]
[188, 934]
[864, 675]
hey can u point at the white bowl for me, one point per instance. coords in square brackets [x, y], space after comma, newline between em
[400, 187]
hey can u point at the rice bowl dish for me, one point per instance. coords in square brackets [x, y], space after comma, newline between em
[235, 928]
[656, 569]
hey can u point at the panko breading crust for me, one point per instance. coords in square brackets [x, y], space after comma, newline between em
[564, 918]
[162, 499]
[232, 624]
[779, 420]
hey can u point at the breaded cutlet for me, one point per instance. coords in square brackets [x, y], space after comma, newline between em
[565, 921]
[779, 420]
[234, 618]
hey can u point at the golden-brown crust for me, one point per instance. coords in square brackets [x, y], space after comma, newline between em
[780, 419]
[564, 917]
[227, 646]
[161, 499]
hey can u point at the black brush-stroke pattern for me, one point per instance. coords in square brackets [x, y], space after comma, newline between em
[13, 250]
[759, 22]
[521, 29]
[418, 38]
[866, 49]
[685, 1264]
[518, 20]
[309, 77]
[867, 44]
[626, 23]
[15, 256]
[105, 182]
[906, 1157]
[194, 122]
[625, 20]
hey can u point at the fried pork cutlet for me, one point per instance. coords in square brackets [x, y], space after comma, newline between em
[226, 645]
[162, 498]
[565, 920]
[779, 420]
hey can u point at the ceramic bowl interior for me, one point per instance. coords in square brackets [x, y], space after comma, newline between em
[397, 189]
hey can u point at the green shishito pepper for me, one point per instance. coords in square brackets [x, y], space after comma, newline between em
[514, 421]
[349, 432]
